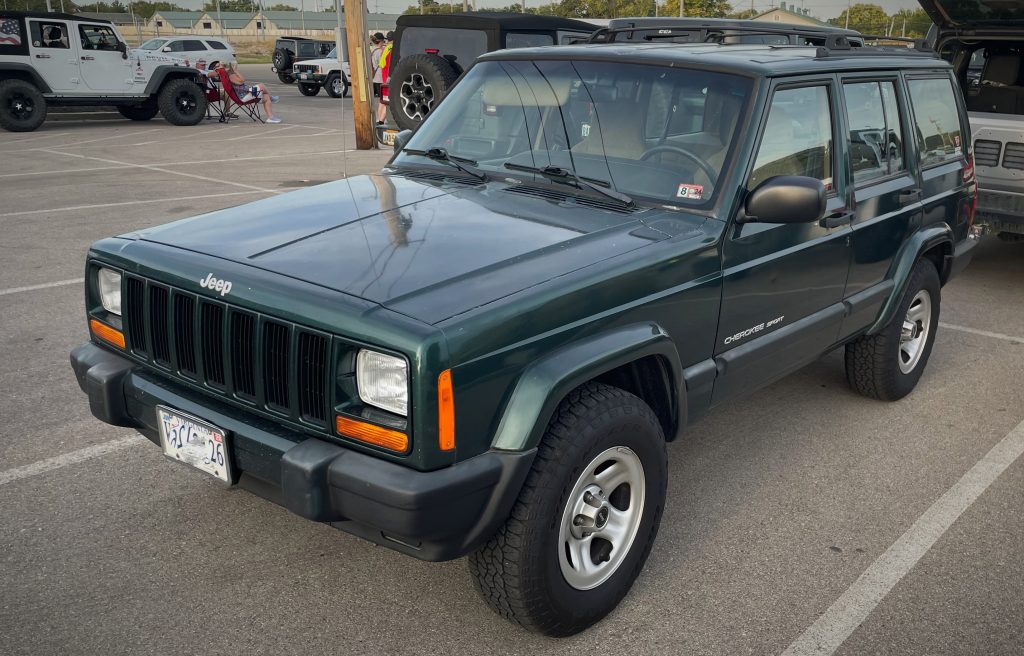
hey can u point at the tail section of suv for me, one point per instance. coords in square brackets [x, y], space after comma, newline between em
[485, 348]
[289, 50]
[50, 59]
[984, 47]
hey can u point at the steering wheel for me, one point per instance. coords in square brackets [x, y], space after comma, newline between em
[667, 148]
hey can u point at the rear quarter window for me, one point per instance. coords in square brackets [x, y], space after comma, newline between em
[527, 40]
[217, 45]
[461, 46]
[936, 120]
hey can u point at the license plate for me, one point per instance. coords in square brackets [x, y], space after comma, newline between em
[303, 76]
[387, 136]
[194, 442]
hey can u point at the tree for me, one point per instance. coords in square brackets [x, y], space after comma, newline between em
[282, 7]
[911, 23]
[865, 18]
[697, 8]
[746, 14]
[231, 5]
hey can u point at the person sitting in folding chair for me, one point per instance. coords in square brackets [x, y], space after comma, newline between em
[250, 94]
[216, 99]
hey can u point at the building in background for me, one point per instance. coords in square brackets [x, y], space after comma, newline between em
[789, 14]
[241, 26]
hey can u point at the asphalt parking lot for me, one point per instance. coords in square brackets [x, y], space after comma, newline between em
[802, 519]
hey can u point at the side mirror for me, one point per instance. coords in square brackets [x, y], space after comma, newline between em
[123, 49]
[786, 199]
[165, 49]
[401, 139]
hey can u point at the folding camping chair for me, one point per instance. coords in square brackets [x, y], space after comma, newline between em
[251, 107]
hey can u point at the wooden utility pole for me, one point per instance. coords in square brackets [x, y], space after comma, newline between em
[359, 64]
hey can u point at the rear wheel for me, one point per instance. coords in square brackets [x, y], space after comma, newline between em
[182, 102]
[307, 89]
[335, 86]
[286, 78]
[888, 364]
[586, 518]
[142, 112]
[22, 106]
[418, 83]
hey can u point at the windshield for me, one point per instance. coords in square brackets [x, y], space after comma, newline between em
[153, 44]
[652, 132]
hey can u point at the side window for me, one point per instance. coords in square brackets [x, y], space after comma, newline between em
[216, 45]
[49, 35]
[527, 40]
[936, 120]
[207, 25]
[307, 49]
[875, 139]
[192, 45]
[176, 46]
[98, 37]
[797, 138]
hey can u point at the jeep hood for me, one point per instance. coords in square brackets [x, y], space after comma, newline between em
[428, 249]
[951, 15]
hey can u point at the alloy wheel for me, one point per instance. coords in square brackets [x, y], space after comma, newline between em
[915, 329]
[417, 96]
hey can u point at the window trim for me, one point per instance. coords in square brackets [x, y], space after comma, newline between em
[960, 114]
[895, 80]
[829, 82]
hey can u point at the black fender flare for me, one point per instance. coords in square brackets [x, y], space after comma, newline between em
[545, 383]
[925, 239]
[23, 71]
[164, 73]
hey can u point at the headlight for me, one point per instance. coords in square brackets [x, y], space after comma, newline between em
[383, 381]
[110, 290]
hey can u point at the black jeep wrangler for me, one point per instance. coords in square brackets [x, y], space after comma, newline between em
[484, 349]
[432, 51]
[292, 49]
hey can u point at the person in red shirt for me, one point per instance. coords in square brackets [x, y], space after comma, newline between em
[385, 76]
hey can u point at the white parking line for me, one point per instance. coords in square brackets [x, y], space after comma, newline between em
[150, 167]
[71, 458]
[983, 333]
[45, 285]
[854, 606]
[80, 143]
[130, 202]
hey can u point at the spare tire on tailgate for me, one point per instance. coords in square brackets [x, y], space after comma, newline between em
[283, 63]
[416, 85]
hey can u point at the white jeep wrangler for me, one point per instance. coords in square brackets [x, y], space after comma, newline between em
[312, 74]
[51, 59]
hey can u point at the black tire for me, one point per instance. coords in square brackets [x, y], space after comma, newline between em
[182, 102]
[22, 106]
[519, 571]
[307, 89]
[334, 86]
[285, 78]
[417, 85]
[873, 362]
[282, 60]
[142, 112]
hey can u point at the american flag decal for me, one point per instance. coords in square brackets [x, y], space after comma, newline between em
[10, 32]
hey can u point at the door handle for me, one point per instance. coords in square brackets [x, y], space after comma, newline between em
[908, 196]
[39, 56]
[836, 219]
[88, 58]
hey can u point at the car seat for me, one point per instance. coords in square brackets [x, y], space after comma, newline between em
[251, 107]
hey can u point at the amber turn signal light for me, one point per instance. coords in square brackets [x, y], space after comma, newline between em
[445, 411]
[106, 333]
[364, 432]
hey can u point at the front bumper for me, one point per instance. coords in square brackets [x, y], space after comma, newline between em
[311, 78]
[437, 515]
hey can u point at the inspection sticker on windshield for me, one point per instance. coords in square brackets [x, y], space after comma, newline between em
[690, 191]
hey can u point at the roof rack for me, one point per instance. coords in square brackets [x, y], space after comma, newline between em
[708, 32]
[834, 46]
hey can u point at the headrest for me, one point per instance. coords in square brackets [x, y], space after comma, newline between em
[1003, 69]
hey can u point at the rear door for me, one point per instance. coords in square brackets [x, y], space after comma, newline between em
[973, 14]
[104, 68]
[783, 284]
[886, 194]
[54, 53]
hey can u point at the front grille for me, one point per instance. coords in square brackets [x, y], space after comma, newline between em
[276, 365]
[1013, 156]
[986, 153]
[304, 68]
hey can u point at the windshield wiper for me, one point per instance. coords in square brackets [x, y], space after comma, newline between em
[441, 155]
[568, 176]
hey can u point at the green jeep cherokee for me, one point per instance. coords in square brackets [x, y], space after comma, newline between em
[485, 348]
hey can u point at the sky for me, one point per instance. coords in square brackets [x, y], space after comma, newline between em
[822, 9]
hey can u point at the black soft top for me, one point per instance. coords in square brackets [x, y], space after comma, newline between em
[492, 21]
[52, 14]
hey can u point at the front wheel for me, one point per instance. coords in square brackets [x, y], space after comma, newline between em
[309, 89]
[22, 106]
[586, 518]
[182, 102]
[335, 86]
[888, 364]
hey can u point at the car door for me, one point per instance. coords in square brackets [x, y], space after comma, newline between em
[104, 67]
[783, 284]
[886, 194]
[54, 54]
